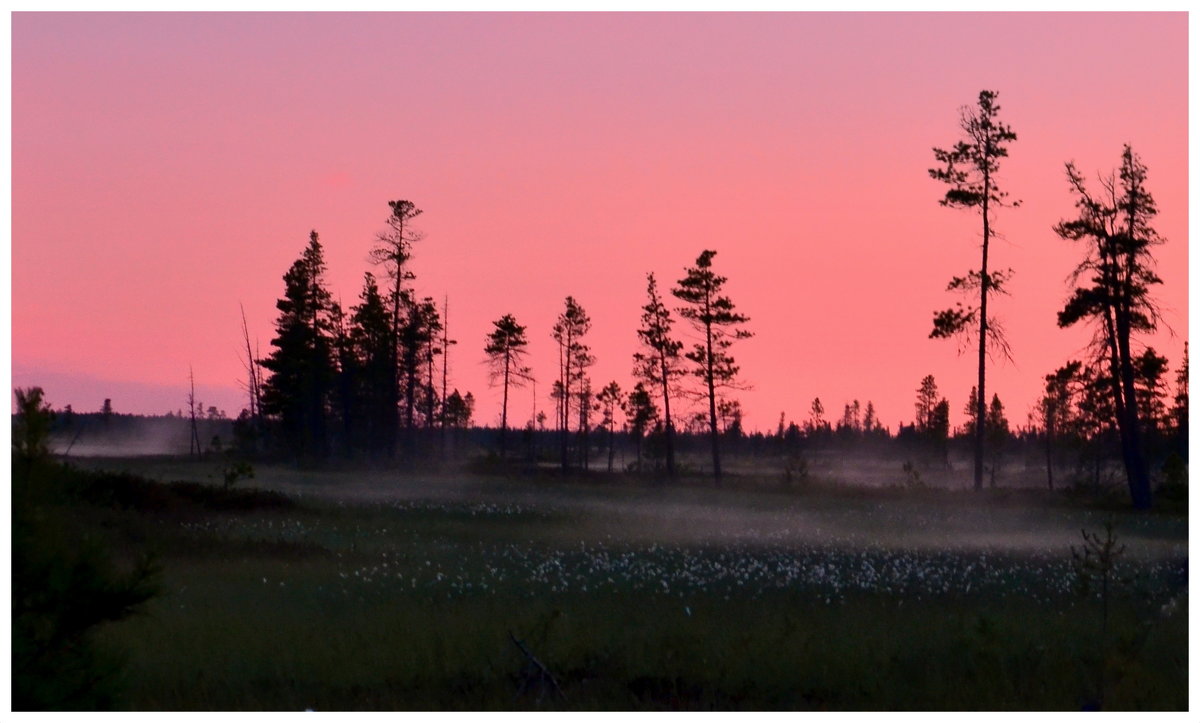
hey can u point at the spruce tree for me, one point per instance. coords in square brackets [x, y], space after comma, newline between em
[372, 337]
[301, 365]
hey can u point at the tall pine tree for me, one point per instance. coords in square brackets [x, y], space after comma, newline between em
[719, 324]
[1113, 293]
[658, 363]
[505, 351]
[969, 168]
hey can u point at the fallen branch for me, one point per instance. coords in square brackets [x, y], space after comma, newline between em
[543, 673]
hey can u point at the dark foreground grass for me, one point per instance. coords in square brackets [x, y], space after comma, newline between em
[271, 605]
[242, 646]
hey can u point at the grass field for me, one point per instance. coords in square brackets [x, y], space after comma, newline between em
[370, 590]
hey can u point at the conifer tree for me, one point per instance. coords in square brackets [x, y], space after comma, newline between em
[418, 337]
[719, 324]
[1055, 411]
[574, 357]
[301, 366]
[1150, 373]
[1112, 292]
[393, 250]
[870, 420]
[658, 363]
[1179, 407]
[816, 421]
[611, 401]
[372, 339]
[969, 168]
[927, 398]
[642, 416]
[505, 349]
[998, 434]
[345, 400]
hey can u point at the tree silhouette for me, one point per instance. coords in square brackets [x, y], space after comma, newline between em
[585, 415]
[870, 420]
[1150, 372]
[816, 422]
[345, 399]
[969, 168]
[301, 365]
[927, 398]
[31, 425]
[997, 431]
[1096, 417]
[939, 430]
[447, 342]
[194, 446]
[431, 349]
[253, 388]
[418, 338]
[1179, 406]
[932, 418]
[505, 351]
[610, 400]
[459, 409]
[372, 339]
[971, 410]
[642, 415]
[574, 357]
[1055, 411]
[1113, 291]
[393, 250]
[714, 317]
[658, 363]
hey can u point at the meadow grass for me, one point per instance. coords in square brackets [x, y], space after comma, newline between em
[406, 600]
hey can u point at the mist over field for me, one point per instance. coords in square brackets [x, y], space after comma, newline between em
[852, 513]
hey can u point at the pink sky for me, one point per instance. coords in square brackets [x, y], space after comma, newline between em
[167, 167]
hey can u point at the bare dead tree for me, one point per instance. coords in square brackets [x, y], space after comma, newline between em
[194, 448]
[446, 342]
[253, 382]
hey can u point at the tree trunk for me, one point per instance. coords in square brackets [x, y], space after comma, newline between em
[504, 411]
[583, 428]
[445, 365]
[1131, 438]
[410, 405]
[1049, 456]
[980, 410]
[611, 424]
[712, 408]
[668, 428]
[564, 377]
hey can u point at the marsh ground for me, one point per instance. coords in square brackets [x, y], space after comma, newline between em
[383, 591]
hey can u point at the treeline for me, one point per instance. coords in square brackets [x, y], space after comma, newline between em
[359, 382]
[371, 381]
[73, 432]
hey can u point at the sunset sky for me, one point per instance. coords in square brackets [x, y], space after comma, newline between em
[167, 167]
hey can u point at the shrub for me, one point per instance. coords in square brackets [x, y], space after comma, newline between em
[65, 584]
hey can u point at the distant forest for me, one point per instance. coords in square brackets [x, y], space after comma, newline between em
[370, 382]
